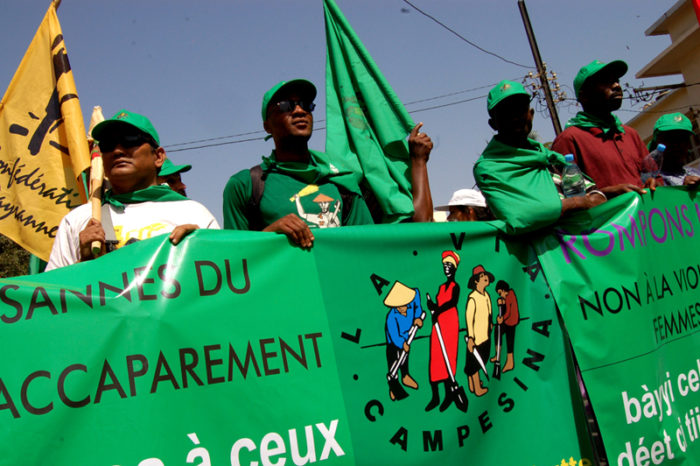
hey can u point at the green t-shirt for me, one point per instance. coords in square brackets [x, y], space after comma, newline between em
[309, 191]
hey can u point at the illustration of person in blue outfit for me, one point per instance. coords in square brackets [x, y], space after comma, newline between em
[403, 320]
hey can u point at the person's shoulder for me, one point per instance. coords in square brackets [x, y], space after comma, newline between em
[241, 178]
[81, 213]
[480, 166]
[80, 210]
[65, 245]
[484, 156]
[632, 132]
[197, 213]
[565, 142]
[193, 204]
[570, 132]
[239, 186]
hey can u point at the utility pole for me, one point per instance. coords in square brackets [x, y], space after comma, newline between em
[541, 69]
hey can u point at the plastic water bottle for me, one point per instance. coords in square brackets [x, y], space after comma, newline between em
[651, 166]
[572, 180]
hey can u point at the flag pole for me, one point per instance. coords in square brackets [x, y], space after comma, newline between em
[97, 174]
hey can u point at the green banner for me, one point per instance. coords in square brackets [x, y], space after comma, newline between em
[625, 276]
[238, 348]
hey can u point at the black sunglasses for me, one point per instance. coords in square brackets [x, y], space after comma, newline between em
[127, 141]
[285, 106]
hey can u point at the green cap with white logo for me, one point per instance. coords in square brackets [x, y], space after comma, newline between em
[618, 67]
[503, 90]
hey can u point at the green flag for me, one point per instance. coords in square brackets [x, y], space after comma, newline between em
[367, 125]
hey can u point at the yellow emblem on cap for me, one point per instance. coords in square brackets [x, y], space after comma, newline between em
[122, 115]
[678, 118]
[505, 87]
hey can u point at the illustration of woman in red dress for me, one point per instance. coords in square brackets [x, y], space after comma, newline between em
[445, 314]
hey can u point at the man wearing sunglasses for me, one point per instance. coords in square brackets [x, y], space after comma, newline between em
[277, 195]
[136, 207]
[292, 176]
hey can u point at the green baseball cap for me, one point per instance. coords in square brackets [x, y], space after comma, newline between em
[503, 90]
[673, 122]
[305, 88]
[618, 67]
[119, 122]
[169, 168]
[670, 122]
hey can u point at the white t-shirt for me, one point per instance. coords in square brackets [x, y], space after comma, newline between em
[140, 221]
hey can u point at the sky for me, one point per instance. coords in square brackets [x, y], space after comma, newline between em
[198, 70]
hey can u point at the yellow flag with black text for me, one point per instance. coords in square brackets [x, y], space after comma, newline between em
[43, 146]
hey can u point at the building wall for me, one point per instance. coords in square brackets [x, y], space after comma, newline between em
[681, 20]
[677, 22]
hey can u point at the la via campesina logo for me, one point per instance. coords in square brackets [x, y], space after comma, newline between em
[486, 345]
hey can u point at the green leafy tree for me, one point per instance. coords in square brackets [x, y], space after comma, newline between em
[14, 260]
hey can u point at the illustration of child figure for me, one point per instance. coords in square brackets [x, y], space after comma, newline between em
[404, 318]
[478, 328]
[507, 319]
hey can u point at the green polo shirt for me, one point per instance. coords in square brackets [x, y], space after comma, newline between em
[320, 203]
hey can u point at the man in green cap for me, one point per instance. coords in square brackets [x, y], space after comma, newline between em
[519, 176]
[277, 195]
[674, 130]
[136, 207]
[170, 174]
[611, 153]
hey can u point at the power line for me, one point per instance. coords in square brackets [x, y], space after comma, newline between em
[319, 128]
[211, 145]
[216, 138]
[465, 39]
[454, 93]
[447, 104]
[262, 133]
[569, 101]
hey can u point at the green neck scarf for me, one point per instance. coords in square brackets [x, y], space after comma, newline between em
[536, 156]
[586, 120]
[518, 185]
[318, 170]
[157, 193]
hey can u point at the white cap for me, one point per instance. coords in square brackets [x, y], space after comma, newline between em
[465, 197]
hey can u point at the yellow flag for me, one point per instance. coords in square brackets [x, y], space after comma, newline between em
[43, 146]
